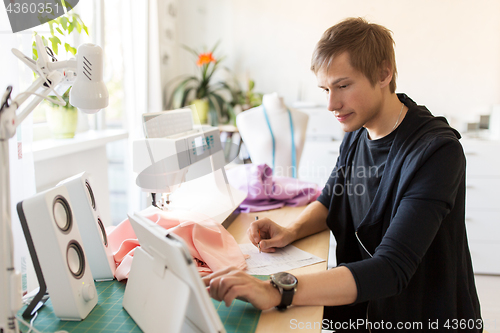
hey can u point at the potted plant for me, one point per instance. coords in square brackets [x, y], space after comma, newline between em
[62, 120]
[243, 100]
[201, 92]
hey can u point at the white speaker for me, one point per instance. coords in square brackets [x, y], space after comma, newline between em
[58, 256]
[94, 237]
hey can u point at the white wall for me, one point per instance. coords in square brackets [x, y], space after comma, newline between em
[448, 51]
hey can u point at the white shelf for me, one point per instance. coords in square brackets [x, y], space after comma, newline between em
[52, 148]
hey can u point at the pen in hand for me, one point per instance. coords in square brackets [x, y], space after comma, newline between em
[260, 251]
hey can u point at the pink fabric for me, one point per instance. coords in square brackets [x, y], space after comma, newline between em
[211, 245]
[266, 192]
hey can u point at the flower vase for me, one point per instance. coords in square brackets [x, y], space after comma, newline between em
[62, 122]
[201, 107]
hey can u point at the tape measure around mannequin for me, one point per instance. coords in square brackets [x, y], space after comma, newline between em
[294, 161]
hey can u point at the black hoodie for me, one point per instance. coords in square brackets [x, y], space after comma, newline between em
[410, 256]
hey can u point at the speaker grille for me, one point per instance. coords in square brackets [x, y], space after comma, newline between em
[75, 259]
[90, 194]
[62, 214]
[103, 232]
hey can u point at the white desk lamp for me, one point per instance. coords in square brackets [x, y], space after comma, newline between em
[89, 94]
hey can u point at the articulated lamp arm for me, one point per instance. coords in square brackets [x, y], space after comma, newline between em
[89, 94]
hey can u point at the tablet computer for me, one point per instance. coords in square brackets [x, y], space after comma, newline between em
[164, 291]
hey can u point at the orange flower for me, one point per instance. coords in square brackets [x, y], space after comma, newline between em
[205, 58]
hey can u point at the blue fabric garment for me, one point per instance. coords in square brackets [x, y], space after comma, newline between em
[292, 131]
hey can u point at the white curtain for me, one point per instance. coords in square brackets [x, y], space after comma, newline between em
[22, 173]
[141, 79]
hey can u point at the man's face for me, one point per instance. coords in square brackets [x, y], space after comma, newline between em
[351, 97]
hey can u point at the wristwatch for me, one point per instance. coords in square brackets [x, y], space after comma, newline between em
[286, 283]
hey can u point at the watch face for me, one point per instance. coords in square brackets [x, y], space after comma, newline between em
[285, 280]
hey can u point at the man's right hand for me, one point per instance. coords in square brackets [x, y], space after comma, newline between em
[271, 236]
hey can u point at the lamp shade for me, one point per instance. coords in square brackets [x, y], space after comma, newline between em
[89, 93]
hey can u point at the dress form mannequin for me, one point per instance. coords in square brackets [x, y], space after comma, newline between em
[255, 132]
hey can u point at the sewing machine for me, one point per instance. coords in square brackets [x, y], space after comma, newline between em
[184, 163]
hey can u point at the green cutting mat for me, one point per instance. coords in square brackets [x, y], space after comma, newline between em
[109, 315]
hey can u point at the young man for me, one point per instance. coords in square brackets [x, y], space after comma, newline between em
[395, 203]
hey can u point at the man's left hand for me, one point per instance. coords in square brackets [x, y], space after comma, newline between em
[230, 283]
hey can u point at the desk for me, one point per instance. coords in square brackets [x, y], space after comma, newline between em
[109, 316]
[273, 320]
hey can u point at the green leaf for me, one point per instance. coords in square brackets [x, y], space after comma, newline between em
[55, 44]
[83, 26]
[204, 76]
[72, 50]
[59, 30]
[219, 60]
[71, 27]
[212, 111]
[219, 86]
[226, 86]
[35, 51]
[55, 48]
[190, 50]
[220, 104]
[51, 26]
[67, 46]
[251, 85]
[55, 39]
[67, 5]
[186, 95]
[64, 22]
[214, 67]
[78, 28]
[178, 95]
[215, 46]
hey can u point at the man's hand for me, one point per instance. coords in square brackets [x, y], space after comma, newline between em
[231, 283]
[271, 235]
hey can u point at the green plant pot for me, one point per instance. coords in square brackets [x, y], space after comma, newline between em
[62, 122]
[202, 107]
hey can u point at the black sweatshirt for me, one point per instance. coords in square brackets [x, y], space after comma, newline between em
[411, 261]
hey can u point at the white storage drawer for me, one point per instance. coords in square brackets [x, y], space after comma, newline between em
[483, 203]
[483, 158]
[482, 225]
[485, 257]
[483, 193]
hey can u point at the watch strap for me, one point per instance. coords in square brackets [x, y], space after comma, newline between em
[286, 298]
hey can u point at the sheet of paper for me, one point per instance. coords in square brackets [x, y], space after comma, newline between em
[284, 259]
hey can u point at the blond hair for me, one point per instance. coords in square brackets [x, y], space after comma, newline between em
[369, 45]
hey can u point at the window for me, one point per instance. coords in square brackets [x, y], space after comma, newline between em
[113, 38]
[114, 116]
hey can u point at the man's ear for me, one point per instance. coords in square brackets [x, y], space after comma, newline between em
[385, 74]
